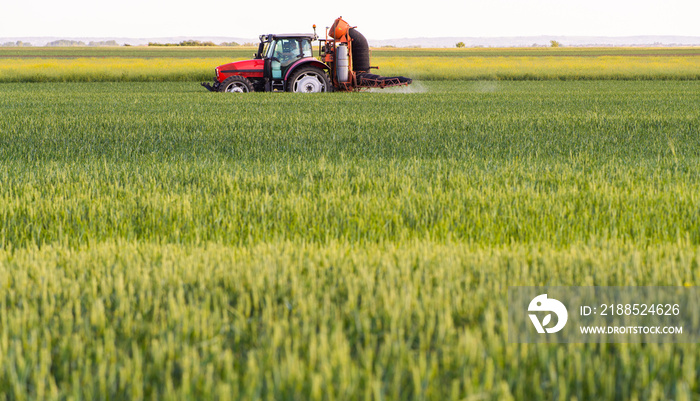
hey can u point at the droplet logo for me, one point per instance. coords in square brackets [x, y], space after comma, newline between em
[543, 304]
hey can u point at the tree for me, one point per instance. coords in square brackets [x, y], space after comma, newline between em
[104, 43]
[19, 43]
[555, 43]
[65, 42]
[460, 45]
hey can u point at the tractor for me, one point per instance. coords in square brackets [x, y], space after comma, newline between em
[286, 63]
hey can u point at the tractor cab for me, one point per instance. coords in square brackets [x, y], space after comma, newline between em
[288, 45]
[280, 52]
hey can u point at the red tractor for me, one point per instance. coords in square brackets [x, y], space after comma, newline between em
[286, 63]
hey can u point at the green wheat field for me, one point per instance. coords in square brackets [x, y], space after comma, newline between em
[161, 242]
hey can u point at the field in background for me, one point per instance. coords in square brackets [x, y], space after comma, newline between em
[129, 64]
[158, 241]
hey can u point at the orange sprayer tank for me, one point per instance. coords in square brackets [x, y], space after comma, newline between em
[338, 29]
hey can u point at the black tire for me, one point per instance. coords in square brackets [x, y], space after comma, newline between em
[309, 80]
[236, 84]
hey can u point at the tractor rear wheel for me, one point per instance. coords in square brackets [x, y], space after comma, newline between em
[309, 80]
[236, 84]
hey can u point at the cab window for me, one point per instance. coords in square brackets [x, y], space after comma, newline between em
[269, 49]
[306, 48]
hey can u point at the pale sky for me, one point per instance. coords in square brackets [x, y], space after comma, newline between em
[376, 19]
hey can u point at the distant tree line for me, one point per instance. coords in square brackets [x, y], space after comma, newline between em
[193, 43]
[62, 43]
[104, 43]
[65, 43]
[18, 43]
[68, 43]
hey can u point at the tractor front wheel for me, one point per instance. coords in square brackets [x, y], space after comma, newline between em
[236, 84]
[308, 80]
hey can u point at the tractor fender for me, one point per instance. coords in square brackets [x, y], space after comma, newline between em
[307, 61]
